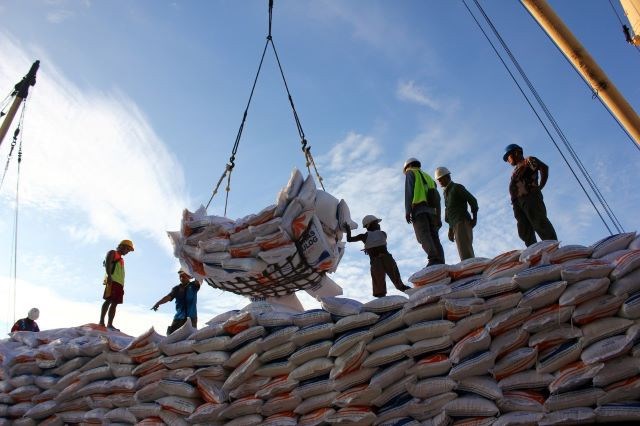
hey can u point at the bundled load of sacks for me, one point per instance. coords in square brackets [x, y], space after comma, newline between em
[547, 335]
[259, 254]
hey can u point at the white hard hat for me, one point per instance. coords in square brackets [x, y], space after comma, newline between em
[369, 219]
[409, 161]
[441, 171]
[34, 314]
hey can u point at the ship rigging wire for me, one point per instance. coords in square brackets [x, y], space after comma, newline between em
[605, 206]
[306, 149]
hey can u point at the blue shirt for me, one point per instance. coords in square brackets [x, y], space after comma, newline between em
[186, 298]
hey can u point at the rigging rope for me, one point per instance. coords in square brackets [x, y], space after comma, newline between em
[550, 117]
[16, 133]
[310, 162]
[593, 91]
[548, 114]
[14, 243]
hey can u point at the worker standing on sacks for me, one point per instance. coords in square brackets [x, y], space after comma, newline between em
[456, 213]
[114, 282]
[422, 208]
[526, 195]
[382, 262]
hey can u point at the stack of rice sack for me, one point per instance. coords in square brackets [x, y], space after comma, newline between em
[65, 376]
[303, 222]
[546, 335]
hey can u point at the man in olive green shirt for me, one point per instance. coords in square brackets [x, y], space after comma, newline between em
[456, 214]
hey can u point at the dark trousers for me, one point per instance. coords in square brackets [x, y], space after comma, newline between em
[531, 215]
[177, 323]
[463, 234]
[427, 235]
[382, 265]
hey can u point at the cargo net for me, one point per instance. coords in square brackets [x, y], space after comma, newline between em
[280, 279]
[285, 247]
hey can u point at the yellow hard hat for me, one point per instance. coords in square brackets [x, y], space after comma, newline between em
[127, 243]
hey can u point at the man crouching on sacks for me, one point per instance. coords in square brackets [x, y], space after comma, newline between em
[382, 263]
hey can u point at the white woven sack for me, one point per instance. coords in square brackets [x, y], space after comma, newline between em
[471, 406]
[398, 337]
[428, 329]
[428, 312]
[617, 413]
[583, 291]
[519, 418]
[625, 264]
[428, 294]
[580, 415]
[554, 336]
[617, 369]
[312, 333]
[483, 386]
[385, 304]
[560, 356]
[514, 362]
[543, 294]
[629, 283]
[603, 328]
[475, 365]
[631, 307]
[585, 269]
[612, 243]
[579, 398]
[435, 344]
[350, 322]
[277, 338]
[476, 341]
[606, 349]
[386, 355]
[341, 306]
[503, 302]
[574, 376]
[468, 324]
[432, 386]
[312, 351]
[310, 369]
[548, 317]
[530, 379]
[430, 366]
[570, 252]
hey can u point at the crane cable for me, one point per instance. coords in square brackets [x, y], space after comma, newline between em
[550, 117]
[574, 155]
[306, 149]
[17, 134]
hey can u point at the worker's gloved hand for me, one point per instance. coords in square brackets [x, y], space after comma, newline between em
[451, 236]
[408, 217]
[474, 221]
[155, 308]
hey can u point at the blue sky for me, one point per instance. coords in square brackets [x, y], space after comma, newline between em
[138, 104]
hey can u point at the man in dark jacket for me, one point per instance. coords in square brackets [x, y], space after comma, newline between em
[422, 208]
[456, 213]
[526, 195]
[29, 323]
[186, 297]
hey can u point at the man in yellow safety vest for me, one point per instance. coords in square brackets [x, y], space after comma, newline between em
[422, 208]
[114, 281]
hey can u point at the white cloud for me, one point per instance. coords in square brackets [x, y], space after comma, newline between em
[411, 92]
[59, 16]
[92, 156]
